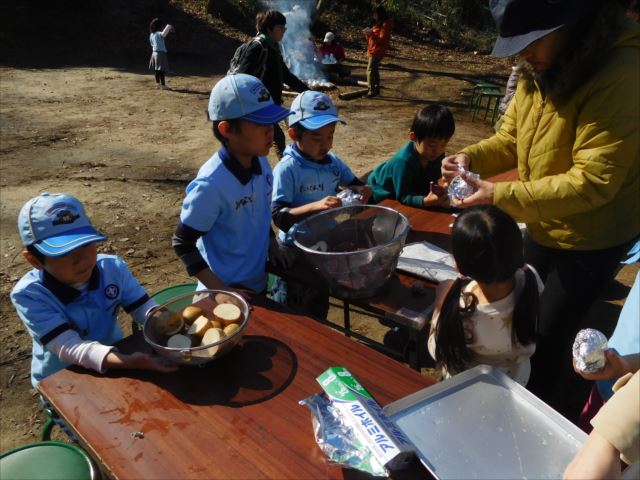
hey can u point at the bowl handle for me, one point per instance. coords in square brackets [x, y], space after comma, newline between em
[186, 355]
[152, 311]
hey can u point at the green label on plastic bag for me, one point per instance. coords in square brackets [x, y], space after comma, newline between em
[341, 385]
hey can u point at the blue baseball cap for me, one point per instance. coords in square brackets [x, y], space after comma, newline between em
[242, 96]
[313, 110]
[55, 224]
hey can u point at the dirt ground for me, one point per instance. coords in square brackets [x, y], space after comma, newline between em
[128, 151]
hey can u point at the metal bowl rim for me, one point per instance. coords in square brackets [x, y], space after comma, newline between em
[200, 347]
[404, 233]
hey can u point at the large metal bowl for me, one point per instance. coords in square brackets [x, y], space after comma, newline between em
[355, 248]
[207, 301]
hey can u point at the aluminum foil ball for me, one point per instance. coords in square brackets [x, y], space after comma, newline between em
[350, 197]
[459, 188]
[588, 350]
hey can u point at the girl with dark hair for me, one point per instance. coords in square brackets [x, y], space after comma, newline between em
[489, 314]
[159, 62]
[378, 39]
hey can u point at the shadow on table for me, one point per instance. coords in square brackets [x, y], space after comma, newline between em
[256, 370]
[414, 471]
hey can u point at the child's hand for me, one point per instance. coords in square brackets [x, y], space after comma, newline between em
[328, 203]
[614, 368]
[138, 361]
[148, 362]
[439, 190]
[364, 191]
[435, 200]
[281, 256]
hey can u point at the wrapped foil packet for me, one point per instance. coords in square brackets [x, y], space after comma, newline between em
[588, 350]
[349, 197]
[337, 440]
[459, 188]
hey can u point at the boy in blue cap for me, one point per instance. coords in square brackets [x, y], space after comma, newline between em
[224, 237]
[306, 181]
[70, 301]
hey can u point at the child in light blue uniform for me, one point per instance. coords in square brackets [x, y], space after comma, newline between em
[70, 301]
[159, 62]
[306, 181]
[224, 237]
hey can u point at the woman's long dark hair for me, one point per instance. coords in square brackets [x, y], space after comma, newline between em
[487, 247]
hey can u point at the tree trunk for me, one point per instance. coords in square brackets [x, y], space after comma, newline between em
[322, 5]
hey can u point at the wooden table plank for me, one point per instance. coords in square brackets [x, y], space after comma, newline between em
[432, 225]
[237, 417]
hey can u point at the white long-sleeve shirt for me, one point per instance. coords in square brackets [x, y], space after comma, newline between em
[70, 348]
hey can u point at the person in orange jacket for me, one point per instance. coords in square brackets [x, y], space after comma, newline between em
[378, 39]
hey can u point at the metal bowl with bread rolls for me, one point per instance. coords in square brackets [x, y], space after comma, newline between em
[197, 327]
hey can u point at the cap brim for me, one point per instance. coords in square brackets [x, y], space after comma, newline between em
[314, 123]
[69, 241]
[508, 46]
[268, 115]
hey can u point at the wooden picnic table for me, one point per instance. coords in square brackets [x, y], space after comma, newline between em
[400, 302]
[236, 417]
[433, 225]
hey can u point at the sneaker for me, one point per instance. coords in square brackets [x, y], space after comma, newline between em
[158, 86]
[166, 87]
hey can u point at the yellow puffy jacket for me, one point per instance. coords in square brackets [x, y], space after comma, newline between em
[578, 164]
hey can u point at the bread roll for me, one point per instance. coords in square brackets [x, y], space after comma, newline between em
[169, 323]
[179, 341]
[221, 332]
[190, 314]
[212, 335]
[227, 313]
[229, 329]
[199, 326]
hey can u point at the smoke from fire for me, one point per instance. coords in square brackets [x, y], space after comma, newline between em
[298, 46]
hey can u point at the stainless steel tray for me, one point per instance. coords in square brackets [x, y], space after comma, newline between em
[482, 424]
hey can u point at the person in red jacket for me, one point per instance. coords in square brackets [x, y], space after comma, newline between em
[331, 46]
[331, 55]
[378, 39]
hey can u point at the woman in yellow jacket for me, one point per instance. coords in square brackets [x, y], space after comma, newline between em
[573, 132]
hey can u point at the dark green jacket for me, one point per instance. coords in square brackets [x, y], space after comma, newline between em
[403, 178]
[275, 73]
